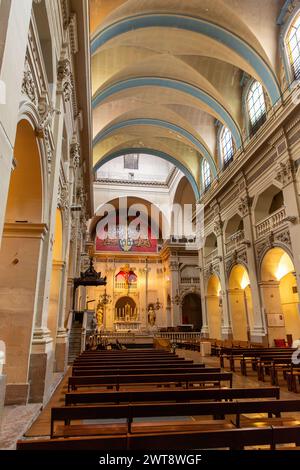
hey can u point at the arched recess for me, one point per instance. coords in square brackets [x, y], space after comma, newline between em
[56, 276]
[156, 217]
[214, 307]
[156, 153]
[183, 201]
[192, 311]
[125, 309]
[280, 295]
[20, 259]
[240, 301]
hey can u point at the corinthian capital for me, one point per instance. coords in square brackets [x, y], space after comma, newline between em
[285, 172]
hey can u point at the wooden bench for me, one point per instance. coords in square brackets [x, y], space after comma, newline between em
[129, 412]
[145, 371]
[291, 374]
[133, 396]
[118, 380]
[234, 439]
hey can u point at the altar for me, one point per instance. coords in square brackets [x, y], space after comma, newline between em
[126, 315]
[123, 325]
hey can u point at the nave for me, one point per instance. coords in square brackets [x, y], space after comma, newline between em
[194, 404]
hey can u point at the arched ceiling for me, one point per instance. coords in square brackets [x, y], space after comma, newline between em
[165, 71]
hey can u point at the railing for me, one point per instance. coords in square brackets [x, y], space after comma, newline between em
[211, 256]
[179, 336]
[271, 222]
[122, 285]
[190, 280]
[234, 240]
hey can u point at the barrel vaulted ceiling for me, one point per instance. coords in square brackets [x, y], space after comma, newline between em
[164, 72]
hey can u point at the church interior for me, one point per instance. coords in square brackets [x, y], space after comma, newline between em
[149, 225]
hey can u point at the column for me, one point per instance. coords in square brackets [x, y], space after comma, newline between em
[258, 330]
[226, 319]
[61, 343]
[175, 307]
[20, 262]
[42, 354]
[205, 327]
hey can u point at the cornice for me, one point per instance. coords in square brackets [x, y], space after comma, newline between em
[131, 183]
[24, 230]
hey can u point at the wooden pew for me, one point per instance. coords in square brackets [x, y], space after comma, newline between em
[82, 371]
[118, 380]
[129, 412]
[108, 364]
[234, 439]
[134, 396]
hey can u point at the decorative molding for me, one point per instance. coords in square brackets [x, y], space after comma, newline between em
[244, 205]
[236, 258]
[73, 33]
[132, 183]
[46, 112]
[174, 266]
[28, 84]
[218, 227]
[284, 237]
[75, 155]
[65, 13]
[63, 197]
[281, 238]
[285, 172]
[65, 79]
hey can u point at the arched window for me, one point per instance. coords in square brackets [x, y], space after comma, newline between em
[293, 46]
[256, 106]
[206, 175]
[226, 145]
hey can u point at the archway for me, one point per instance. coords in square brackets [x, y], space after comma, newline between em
[19, 260]
[240, 301]
[125, 309]
[281, 299]
[56, 277]
[214, 307]
[192, 311]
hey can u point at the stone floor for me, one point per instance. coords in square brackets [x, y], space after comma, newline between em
[17, 419]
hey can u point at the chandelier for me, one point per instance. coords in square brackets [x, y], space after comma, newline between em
[157, 305]
[105, 298]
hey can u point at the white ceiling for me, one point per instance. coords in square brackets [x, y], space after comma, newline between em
[151, 169]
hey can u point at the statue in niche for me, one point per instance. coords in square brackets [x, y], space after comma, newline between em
[99, 314]
[151, 315]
